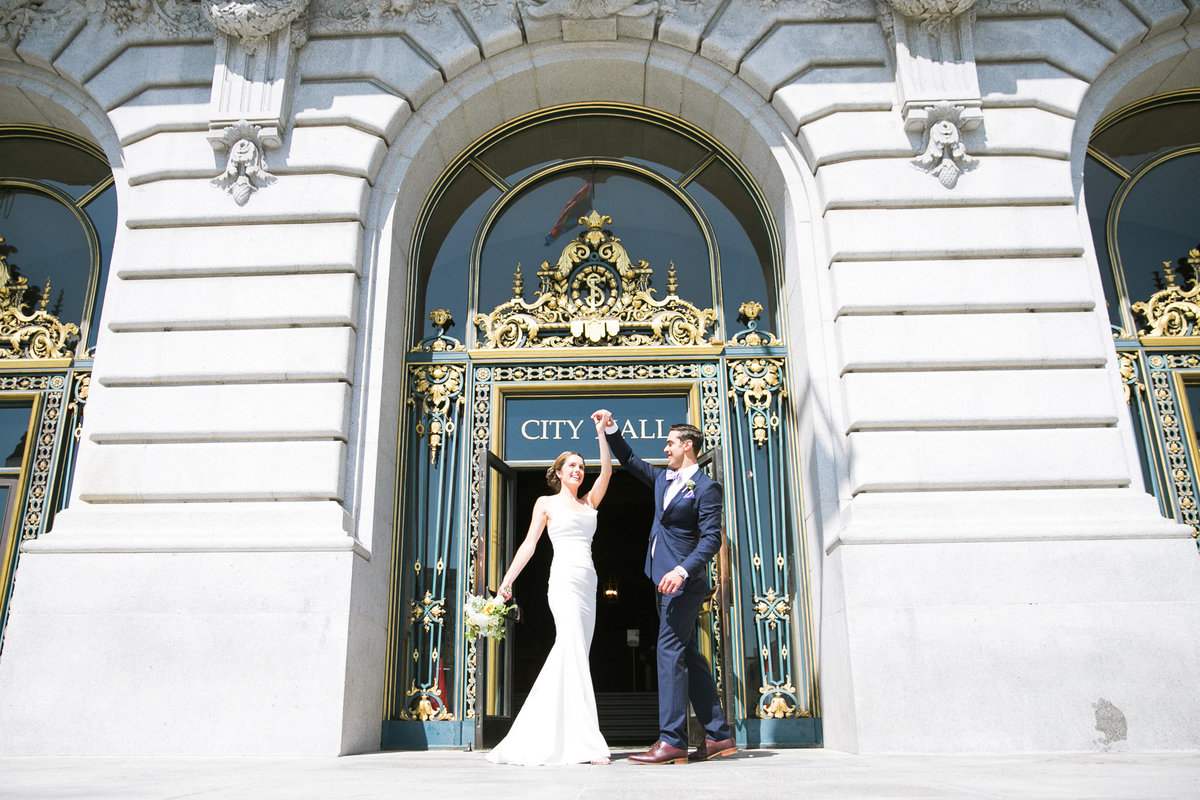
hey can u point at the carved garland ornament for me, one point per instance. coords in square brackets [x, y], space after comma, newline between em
[253, 21]
[190, 18]
[933, 15]
[595, 295]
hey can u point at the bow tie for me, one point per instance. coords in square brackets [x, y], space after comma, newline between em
[672, 475]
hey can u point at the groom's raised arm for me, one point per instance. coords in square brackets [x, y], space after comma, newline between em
[621, 449]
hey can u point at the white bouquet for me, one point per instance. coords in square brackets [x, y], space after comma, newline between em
[485, 617]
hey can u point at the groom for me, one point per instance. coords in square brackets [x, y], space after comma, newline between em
[686, 534]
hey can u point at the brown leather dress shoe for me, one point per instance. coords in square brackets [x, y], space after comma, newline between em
[711, 748]
[661, 753]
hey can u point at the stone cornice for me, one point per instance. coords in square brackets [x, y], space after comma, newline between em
[252, 20]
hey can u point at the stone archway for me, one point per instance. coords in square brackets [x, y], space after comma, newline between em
[423, 150]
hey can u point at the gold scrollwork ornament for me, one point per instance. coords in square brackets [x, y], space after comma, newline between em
[23, 334]
[1129, 375]
[428, 612]
[1171, 311]
[439, 386]
[425, 705]
[776, 702]
[756, 381]
[748, 314]
[595, 295]
[772, 607]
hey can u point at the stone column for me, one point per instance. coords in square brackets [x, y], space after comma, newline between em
[202, 591]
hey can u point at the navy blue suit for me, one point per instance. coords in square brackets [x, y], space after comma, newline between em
[688, 534]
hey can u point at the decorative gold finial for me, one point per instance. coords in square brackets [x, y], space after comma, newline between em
[672, 283]
[518, 282]
[5, 273]
[595, 222]
[1169, 273]
[749, 311]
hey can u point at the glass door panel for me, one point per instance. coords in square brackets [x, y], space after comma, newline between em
[494, 658]
[15, 430]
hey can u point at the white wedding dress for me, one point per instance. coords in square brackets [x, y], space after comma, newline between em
[558, 723]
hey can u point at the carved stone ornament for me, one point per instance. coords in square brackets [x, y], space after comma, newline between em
[595, 296]
[254, 78]
[172, 17]
[933, 14]
[255, 20]
[945, 155]
[18, 16]
[246, 168]
[363, 15]
[39, 334]
[590, 9]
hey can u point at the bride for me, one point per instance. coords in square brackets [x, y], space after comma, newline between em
[558, 723]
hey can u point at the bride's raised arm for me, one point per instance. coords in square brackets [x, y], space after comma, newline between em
[601, 485]
[537, 524]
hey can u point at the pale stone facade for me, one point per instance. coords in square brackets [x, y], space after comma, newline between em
[987, 570]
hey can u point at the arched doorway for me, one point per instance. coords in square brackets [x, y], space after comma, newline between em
[58, 212]
[657, 295]
[1140, 164]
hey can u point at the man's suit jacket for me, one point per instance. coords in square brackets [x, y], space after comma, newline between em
[687, 532]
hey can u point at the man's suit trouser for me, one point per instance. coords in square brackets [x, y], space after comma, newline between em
[683, 674]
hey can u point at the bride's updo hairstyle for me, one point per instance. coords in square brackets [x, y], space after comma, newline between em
[551, 473]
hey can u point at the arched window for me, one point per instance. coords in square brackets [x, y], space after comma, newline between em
[58, 212]
[1141, 171]
[58, 217]
[675, 196]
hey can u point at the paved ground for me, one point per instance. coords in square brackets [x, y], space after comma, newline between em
[752, 775]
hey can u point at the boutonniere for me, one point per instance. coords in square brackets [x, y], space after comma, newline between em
[689, 489]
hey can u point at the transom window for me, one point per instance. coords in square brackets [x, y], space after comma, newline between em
[1143, 165]
[514, 198]
[58, 212]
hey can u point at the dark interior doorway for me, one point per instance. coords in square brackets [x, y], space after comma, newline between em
[623, 672]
